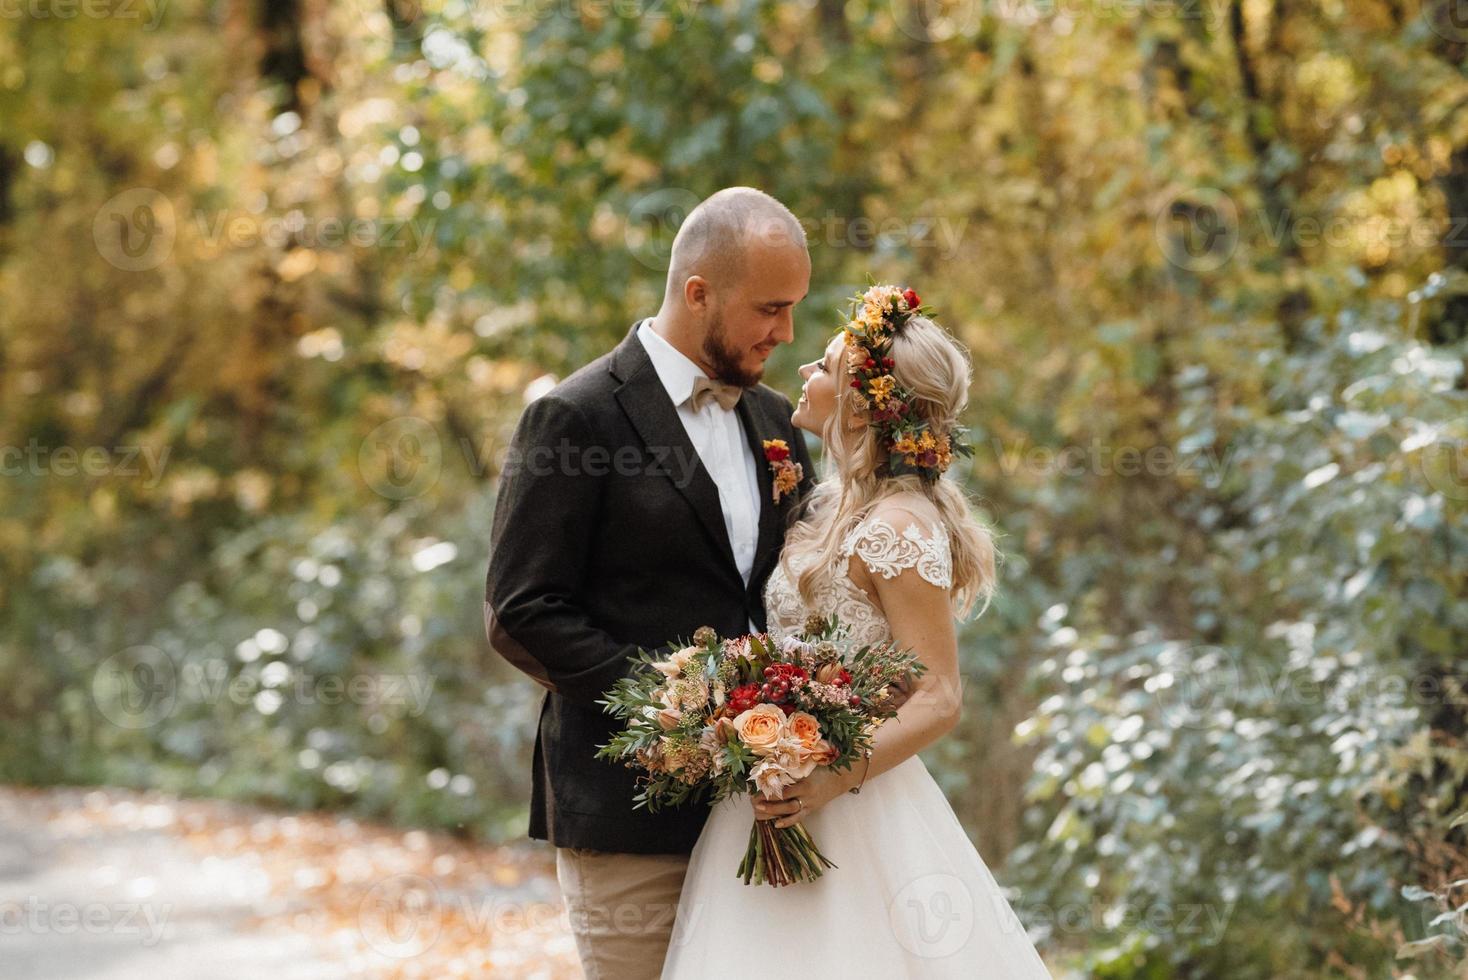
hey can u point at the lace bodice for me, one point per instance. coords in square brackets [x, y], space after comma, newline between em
[885, 552]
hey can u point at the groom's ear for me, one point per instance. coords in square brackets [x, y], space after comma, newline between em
[696, 293]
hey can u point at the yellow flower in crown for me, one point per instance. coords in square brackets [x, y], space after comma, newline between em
[881, 389]
[944, 452]
[902, 433]
[906, 445]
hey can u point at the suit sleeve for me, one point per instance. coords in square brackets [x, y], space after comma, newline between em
[544, 516]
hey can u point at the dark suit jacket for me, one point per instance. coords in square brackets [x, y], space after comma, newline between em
[608, 535]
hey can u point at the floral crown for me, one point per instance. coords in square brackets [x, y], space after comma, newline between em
[911, 445]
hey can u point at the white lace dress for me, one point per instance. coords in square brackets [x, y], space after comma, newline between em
[909, 897]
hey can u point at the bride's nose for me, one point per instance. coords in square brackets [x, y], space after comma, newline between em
[806, 369]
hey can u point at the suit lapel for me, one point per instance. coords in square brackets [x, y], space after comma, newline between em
[652, 413]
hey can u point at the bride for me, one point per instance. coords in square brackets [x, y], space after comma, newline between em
[892, 549]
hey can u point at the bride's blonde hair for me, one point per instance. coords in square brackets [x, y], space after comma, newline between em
[937, 369]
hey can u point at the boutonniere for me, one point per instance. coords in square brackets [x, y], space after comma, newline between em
[786, 471]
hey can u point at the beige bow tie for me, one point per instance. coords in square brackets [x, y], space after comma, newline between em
[726, 395]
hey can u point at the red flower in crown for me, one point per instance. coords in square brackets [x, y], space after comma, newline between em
[902, 433]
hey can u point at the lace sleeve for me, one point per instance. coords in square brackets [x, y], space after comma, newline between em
[887, 553]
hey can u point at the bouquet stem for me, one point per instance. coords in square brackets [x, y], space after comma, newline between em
[781, 855]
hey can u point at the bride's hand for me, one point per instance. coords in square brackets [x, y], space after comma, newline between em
[803, 797]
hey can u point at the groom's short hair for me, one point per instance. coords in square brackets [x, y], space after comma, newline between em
[713, 240]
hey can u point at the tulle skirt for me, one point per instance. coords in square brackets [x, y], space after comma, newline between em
[910, 897]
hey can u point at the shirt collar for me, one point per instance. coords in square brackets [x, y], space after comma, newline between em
[674, 369]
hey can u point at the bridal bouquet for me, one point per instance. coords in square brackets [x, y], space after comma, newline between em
[748, 714]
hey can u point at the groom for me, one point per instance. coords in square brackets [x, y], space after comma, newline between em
[637, 505]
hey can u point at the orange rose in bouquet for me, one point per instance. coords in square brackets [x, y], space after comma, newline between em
[754, 714]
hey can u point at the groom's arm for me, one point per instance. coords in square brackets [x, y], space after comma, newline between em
[544, 520]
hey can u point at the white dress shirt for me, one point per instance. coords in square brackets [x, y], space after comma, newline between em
[718, 435]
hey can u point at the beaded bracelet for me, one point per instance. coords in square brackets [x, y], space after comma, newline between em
[857, 788]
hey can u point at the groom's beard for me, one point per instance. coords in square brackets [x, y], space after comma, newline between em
[724, 361]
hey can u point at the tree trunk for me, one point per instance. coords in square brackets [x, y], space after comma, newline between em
[284, 57]
[1274, 192]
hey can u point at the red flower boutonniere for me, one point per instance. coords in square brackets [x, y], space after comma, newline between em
[786, 471]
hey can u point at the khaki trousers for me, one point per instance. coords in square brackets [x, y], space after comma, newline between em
[622, 908]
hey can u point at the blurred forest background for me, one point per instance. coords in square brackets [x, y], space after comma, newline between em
[278, 276]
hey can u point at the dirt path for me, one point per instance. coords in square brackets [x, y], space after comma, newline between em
[117, 885]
